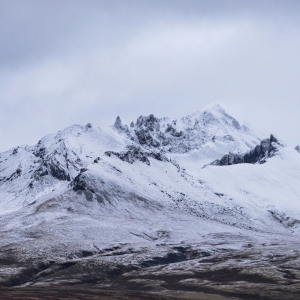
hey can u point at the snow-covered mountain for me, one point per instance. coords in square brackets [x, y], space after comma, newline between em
[133, 196]
[195, 139]
[29, 172]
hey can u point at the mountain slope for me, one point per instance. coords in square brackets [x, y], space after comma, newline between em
[271, 187]
[89, 204]
[195, 139]
[28, 172]
[266, 149]
[142, 211]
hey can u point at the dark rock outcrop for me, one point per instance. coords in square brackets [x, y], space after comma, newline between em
[119, 126]
[52, 167]
[58, 171]
[148, 131]
[16, 174]
[146, 138]
[134, 153]
[297, 148]
[79, 183]
[118, 123]
[56, 163]
[188, 133]
[172, 131]
[82, 184]
[259, 154]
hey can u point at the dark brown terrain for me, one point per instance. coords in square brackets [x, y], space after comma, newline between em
[255, 273]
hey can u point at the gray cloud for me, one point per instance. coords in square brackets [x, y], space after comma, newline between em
[65, 62]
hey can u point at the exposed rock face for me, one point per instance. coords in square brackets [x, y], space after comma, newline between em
[30, 171]
[297, 148]
[119, 126]
[148, 131]
[56, 164]
[188, 133]
[53, 168]
[259, 154]
[133, 153]
[78, 183]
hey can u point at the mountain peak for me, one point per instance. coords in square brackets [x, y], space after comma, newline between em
[215, 110]
[118, 122]
[213, 107]
[192, 132]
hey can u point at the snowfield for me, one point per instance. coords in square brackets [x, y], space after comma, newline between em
[91, 203]
[271, 187]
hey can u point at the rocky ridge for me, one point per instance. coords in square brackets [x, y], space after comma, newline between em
[27, 172]
[134, 153]
[211, 124]
[267, 148]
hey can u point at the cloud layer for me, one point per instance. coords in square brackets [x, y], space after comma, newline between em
[65, 62]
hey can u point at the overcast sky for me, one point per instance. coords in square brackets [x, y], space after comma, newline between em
[78, 61]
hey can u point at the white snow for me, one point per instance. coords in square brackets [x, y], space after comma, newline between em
[136, 205]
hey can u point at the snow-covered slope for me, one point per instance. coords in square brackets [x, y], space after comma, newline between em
[114, 202]
[28, 172]
[193, 140]
[130, 195]
[243, 196]
[272, 187]
[260, 154]
[139, 209]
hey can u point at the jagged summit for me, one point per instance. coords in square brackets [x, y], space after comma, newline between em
[118, 124]
[191, 132]
[56, 159]
[202, 136]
